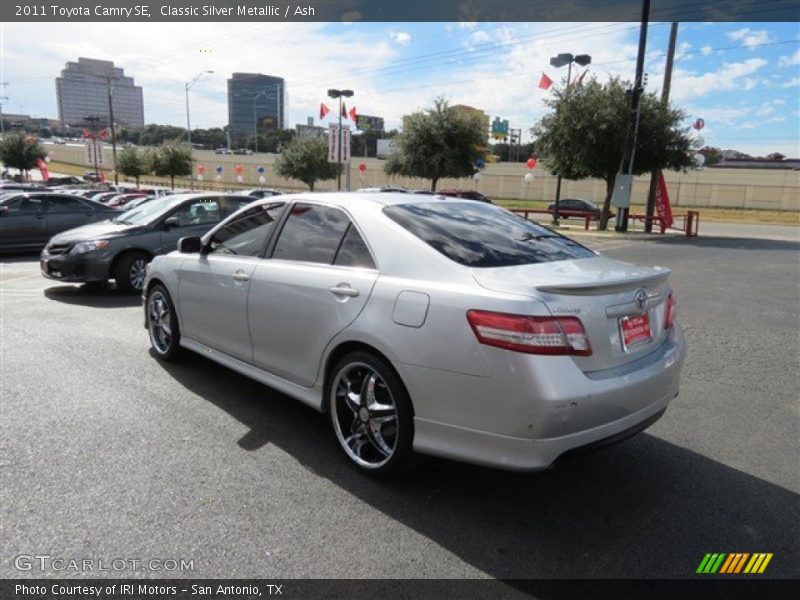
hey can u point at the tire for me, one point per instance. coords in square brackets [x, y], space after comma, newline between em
[375, 435]
[162, 324]
[129, 272]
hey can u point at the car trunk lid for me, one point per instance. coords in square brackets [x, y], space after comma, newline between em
[616, 302]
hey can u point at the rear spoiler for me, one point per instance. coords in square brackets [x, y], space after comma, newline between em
[592, 288]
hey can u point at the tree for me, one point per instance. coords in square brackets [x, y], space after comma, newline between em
[713, 155]
[585, 135]
[20, 151]
[133, 163]
[172, 159]
[439, 142]
[306, 159]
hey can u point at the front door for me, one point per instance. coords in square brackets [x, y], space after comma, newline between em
[24, 224]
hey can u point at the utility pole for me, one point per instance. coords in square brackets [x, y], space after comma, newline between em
[3, 99]
[93, 119]
[636, 95]
[113, 131]
[651, 196]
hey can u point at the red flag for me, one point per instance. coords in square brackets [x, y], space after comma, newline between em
[43, 169]
[579, 79]
[103, 134]
[545, 82]
[663, 208]
[353, 114]
[86, 133]
[102, 177]
[344, 110]
[323, 111]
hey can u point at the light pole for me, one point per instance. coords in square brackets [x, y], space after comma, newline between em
[339, 94]
[189, 84]
[558, 62]
[113, 131]
[93, 119]
[255, 121]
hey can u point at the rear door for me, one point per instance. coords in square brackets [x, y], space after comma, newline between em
[24, 223]
[317, 281]
[66, 212]
[213, 286]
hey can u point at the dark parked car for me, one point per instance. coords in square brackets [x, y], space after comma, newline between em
[120, 248]
[122, 200]
[261, 193]
[9, 187]
[466, 194]
[573, 205]
[65, 180]
[91, 176]
[28, 220]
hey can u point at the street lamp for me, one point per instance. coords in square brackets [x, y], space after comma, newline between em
[255, 121]
[93, 119]
[189, 84]
[339, 94]
[559, 61]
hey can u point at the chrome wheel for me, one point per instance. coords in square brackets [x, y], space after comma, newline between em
[159, 322]
[137, 273]
[364, 415]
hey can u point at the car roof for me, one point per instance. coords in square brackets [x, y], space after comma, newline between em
[346, 199]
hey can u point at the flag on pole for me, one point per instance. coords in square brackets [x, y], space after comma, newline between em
[579, 79]
[86, 133]
[545, 82]
[353, 114]
[344, 110]
[323, 110]
[103, 134]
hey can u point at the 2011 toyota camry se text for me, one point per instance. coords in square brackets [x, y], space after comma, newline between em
[425, 325]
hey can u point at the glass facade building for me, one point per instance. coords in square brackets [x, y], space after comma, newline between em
[255, 103]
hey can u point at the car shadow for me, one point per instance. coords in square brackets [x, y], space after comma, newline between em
[92, 295]
[18, 257]
[645, 508]
[732, 243]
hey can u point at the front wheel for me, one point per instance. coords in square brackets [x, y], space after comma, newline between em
[162, 324]
[371, 414]
[131, 271]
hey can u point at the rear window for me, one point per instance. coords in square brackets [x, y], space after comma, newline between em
[481, 235]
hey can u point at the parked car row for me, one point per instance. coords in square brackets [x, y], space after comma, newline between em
[452, 193]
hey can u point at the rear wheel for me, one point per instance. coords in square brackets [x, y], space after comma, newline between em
[162, 324]
[371, 414]
[130, 272]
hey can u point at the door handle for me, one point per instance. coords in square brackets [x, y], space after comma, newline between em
[343, 289]
[240, 276]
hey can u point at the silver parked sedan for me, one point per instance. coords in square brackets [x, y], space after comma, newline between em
[444, 327]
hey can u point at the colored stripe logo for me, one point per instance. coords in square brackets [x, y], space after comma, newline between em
[734, 563]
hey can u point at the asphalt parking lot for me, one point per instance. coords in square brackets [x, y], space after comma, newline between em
[106, 452]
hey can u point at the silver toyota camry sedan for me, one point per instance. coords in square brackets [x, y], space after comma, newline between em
[425, 325]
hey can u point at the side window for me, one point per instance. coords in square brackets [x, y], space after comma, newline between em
[203, 212]
[354, 252]
[312, 233]
[29, 204]
[246, 234]
[230, 204]
[65, 203]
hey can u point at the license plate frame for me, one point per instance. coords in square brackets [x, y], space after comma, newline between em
[635, 331]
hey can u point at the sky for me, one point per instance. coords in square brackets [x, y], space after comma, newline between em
[743, 79]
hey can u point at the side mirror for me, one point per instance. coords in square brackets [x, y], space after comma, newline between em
[191, 244]
[171, 222]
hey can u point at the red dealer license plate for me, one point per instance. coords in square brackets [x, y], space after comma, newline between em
[634, 330]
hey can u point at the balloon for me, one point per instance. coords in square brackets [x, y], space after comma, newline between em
[480, 163]
[260, 170]
[699, 124]
[47, 159]
[219, 169]
[239, 178]
[699, 160]
[477, 177]
[528, 177]
[700, 141]
[218, 177]
[531, 163]
[362, 167]
[201, 169]
[262, 179]
[238, 169]
[200, 177]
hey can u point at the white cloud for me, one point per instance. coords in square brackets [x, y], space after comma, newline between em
[749, 37]
[401, 37]
[688, 84]
[681, 51]
[706, 50]
[793, 82]
[765, 110]
[779, 102]
[790, 61]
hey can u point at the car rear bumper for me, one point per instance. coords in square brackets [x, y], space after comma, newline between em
[529, 418]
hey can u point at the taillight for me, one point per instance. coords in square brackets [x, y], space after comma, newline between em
[532, 335]
[672, 308]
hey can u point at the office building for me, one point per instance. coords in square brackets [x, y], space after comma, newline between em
[82, 90]
[255, 104]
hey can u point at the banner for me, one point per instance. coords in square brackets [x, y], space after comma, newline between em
[43, 169]
[663, 208]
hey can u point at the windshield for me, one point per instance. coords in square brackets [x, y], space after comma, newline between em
[481, 235]
[149, 212]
